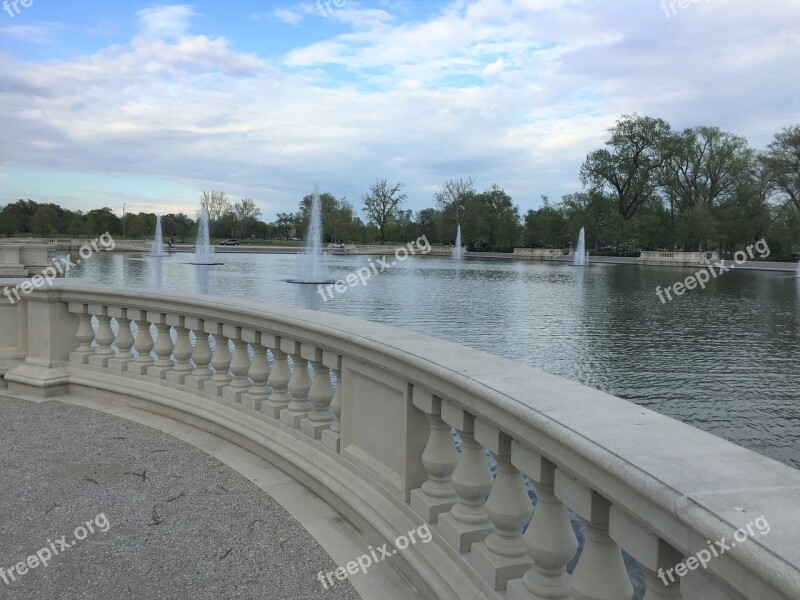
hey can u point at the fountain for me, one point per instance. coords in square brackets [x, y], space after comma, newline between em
[457, 250]
[312, 269]
[157, 248]
[581, 256]
[203, 251]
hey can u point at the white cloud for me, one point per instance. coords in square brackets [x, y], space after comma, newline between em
[511, 92]
[287, 16]
[170, 21]
[42, 33]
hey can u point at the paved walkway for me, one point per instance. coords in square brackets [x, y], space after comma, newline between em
[170, 519]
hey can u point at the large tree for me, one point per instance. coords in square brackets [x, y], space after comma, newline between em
[217, 204]
[628, 167]
[285, 225]
[382, 203]
[245, 213]
[452, 197]
[704, 164]
[783, 163]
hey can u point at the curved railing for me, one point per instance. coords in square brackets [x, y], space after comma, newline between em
[379, 446]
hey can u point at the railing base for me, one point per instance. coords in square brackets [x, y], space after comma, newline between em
[39, 381]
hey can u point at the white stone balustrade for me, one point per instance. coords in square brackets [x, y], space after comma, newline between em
[259, 390]
[163, 347]
[239, 368]
[104, 336]
[600, 573]
[143, 345]
[182, 351]
[332, 437]
[549, 539]
[379, 446]
[220, 360]
[467, 522]
[279, 378]
[320, 395]
[502, 556]
[299, 385]
[437, 494]
[123, 340]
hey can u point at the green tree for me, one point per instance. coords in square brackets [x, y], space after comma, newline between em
[546, 227]
[285, 225]
[44, 220]
[77, 226]
[783, 163]
[382, 204]
[245, 213]
[629, 168]
[8, 223]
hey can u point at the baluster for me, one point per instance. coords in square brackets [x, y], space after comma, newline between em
[84, 334]
[655, 556]
[221, 360]
[467, 522]
[240, 366]
[124, 340]
[143, 344]
[299, 385]
[320, 395]
[201, 355]
[104, 337]
[439, 458]
[502, 556]
[163, 348]
[550, 540]
[600, 573]
[331, 437]
[182, 352]
[278, 379]
[259, 372]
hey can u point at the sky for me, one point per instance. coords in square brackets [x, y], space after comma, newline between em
[123, 102]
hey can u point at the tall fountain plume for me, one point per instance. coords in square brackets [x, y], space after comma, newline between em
[203, 251]
[457, 251]
[313, 269]
[157, 248]
[580, 250]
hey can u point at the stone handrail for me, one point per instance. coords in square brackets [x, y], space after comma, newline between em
[379, 445]
[655, 257]
[539, 252]
[75, 243]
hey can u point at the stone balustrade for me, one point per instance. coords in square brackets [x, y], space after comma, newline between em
[396, 429]
[649, 257]
[539, 253]
[22, 259]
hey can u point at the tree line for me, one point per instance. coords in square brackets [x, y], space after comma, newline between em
[651, 187]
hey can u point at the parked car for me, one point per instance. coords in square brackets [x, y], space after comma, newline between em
[230, 242]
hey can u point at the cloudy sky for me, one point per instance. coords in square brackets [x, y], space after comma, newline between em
[111, 102]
